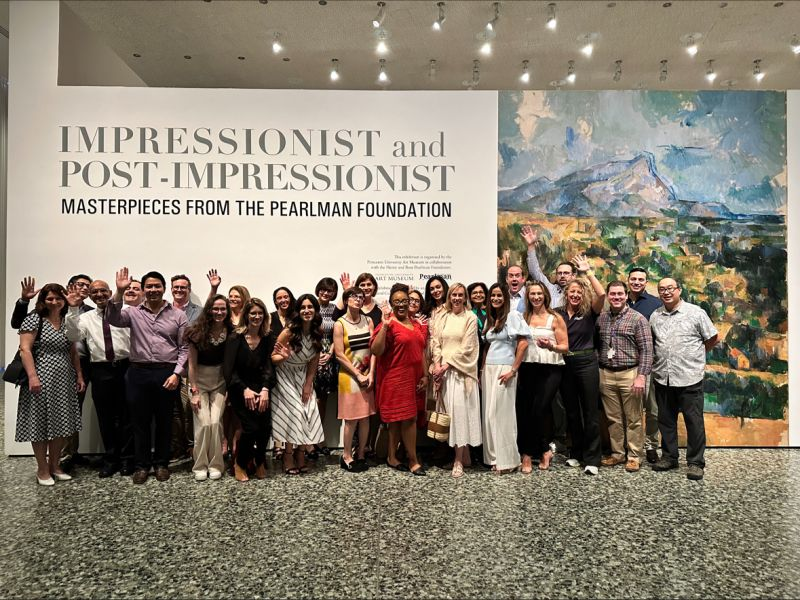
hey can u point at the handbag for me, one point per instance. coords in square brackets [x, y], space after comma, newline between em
[15, 371]
[438, 421]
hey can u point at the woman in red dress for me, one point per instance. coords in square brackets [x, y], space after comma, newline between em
[399, 344]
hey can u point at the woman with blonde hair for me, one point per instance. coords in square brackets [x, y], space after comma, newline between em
[455, 370]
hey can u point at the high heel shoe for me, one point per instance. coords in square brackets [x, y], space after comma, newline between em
[48, 481]
[61, 476]
[544, 463]
[351, 467]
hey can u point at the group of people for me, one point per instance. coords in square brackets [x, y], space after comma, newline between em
[515, 366]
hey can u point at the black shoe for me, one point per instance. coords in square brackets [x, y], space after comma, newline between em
[108, 471]
[79, 459]
[67, 464]
[695, 472]
[652, 455]
[665, 464]
[398, 467]
[313, 455]
[126, 470]
[420, 472]
[353, 466]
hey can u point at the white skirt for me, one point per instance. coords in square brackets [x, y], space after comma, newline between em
[462, 403]
[499, 418]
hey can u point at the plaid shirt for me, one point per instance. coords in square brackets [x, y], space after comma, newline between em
[628, 333]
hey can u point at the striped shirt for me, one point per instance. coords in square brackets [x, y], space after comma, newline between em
[625, 336]
[679, 340]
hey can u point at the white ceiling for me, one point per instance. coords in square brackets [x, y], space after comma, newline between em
[640, 33]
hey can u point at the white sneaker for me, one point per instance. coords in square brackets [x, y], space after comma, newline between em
[573, 462]
[200, 475]
[590, 470]
[214, 474]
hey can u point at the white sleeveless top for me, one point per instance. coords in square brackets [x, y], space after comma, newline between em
[535, 354]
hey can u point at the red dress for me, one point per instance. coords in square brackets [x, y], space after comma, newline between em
[399, 370]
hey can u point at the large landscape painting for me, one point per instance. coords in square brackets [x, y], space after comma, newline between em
[690, 185]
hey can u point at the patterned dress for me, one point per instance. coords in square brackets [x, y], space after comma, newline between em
[325, 380]
[293, 421]
[53, 412]
[355, 402]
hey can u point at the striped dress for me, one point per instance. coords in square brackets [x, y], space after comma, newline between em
[355, 402]
[293, 421]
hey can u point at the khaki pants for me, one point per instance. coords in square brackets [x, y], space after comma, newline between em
[623, 411]
[208, 420]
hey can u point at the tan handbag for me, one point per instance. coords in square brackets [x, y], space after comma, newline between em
[438, 421]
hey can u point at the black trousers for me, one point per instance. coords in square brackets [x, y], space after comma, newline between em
[688, 400]
[538, 384]
[256, 429]
[148, 400]
[580, 391]
[113, 417]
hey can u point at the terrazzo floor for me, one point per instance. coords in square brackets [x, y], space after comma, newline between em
[386, 534]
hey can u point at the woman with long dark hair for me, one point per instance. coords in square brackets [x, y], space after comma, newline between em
[285, 303]
[250, 377]
[48, 411]
[580, 386]
[399, 344]
[206, 337]
[326, 378]
[507, 337]
[295, 413]
[539, 377]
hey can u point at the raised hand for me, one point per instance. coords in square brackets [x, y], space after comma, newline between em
[386, 312]
[123, 279]
[582, 263]
[214, 279]
[73, 295]
[344, 278]
[529, 235]
[282, 350]
[29, 289]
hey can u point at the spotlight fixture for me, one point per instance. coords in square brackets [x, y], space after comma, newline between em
[711, 75]
[586, 42]
[551, 16]
[662, 77]
[571, 71]
[382, 76]
[378, 20]
[382, 47]
[334, 69]
[618, 70]
[486, 48]
[758, 74]
[476, 74]
[277, 47]
[432, 69]
[796, 44]
[437, 24]
[690, 41]
[526, 76]
[493, 21]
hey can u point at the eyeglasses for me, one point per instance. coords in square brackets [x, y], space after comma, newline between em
[400, 303]
[414, 301]
[356, 298]
[668, 289]
[81, 284]
[180, 287]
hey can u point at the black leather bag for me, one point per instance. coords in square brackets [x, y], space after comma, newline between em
[15, 371]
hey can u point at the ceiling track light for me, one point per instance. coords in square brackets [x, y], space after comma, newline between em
[496, 17]
[382, 47]
[617, 70]
[383, 77]
[587, 41]
[690, 41]
[440, 18]
[711, 75]
[378, 20]
[334, 69]
[758, 74]
[476, 73]
[526, 75]
[551, 17]
[795, 44]
[432, 69]
[662, 77]
[571, 72]
[277, 47]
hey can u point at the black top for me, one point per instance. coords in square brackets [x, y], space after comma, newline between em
[246, 368]
[210, 356]
[580, 329]
[645, 304]
[275, 325]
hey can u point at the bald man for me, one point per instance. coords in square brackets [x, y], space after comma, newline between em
[682, 334]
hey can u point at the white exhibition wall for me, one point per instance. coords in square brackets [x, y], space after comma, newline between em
[300, 184]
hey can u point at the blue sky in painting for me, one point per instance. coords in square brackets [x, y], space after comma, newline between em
[727, 147]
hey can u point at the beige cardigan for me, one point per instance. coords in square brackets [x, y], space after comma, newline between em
[455, 342]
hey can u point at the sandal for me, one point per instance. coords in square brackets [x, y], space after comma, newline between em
[458, 470]
[292, 471]
[527, 465]
[544, 463]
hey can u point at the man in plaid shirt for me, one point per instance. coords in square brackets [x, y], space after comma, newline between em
[626, 359]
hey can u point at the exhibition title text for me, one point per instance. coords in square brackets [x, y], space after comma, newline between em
[319, 160]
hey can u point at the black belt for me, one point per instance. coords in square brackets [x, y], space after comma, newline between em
[617, 369]
[122, 362]
[153, 365]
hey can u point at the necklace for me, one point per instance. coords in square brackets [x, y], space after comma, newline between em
[216, 341]
[353, 322]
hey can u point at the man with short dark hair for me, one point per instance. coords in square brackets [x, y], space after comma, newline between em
[644, 303]
[182, 417]
[515, 281]
[565, 271]
[158, 358]
[134, 295]
[626, 358]
[682, 334]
